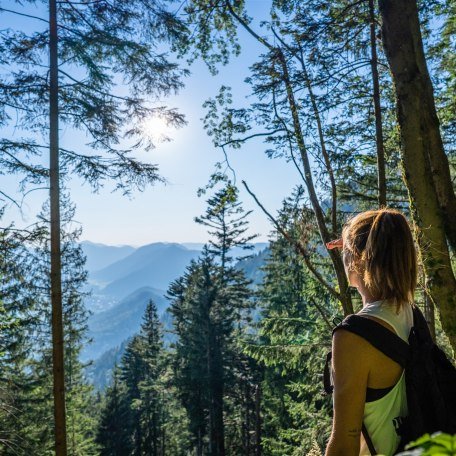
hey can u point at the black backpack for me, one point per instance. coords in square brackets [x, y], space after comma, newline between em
[429, 376]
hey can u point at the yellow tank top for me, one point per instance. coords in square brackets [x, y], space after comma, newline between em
[379, 415]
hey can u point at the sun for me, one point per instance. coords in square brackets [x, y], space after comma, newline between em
[156, 129]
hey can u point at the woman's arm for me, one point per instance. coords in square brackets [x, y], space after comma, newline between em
[350, 372]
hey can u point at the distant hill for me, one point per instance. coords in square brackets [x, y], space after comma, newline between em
[154, 265]
[251, 266]
[110, 328]
[100, 255]
[99, 372]
[122, 289]
[236, 252]
[104, 327]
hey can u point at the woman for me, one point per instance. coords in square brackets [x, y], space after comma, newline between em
[380, 261]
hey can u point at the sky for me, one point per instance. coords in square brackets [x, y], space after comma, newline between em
[165, 213]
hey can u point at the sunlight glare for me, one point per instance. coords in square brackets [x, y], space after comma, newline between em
[156, 129]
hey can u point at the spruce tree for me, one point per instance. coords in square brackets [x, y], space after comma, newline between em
[113, 436]
[192, 297]
[140, 405]
[64, 75]
[151, 387]
[211, 305]
[28, 366]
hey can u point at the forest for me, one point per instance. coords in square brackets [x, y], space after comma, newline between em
[358, 96]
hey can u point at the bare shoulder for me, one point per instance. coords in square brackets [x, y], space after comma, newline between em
[346, 340]
[348, 347]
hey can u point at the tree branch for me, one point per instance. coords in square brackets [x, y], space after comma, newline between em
[298, 246]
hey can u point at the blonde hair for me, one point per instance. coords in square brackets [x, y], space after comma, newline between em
[378, 245]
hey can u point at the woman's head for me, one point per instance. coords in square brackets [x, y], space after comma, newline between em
[378, 249]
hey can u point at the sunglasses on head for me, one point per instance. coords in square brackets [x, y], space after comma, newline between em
[336, 244]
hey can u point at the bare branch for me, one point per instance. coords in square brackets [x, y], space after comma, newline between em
[298, 246]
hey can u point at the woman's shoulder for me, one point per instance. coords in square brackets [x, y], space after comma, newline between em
[348, 344]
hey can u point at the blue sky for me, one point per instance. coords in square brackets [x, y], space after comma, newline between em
[166, 212]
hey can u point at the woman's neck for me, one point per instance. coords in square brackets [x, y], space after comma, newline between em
[366, 296]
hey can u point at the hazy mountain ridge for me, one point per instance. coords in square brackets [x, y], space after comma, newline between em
[122, 289]
[100, 255]
[154, 265]
[109, 328]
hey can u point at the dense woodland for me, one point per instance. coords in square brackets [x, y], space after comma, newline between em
[358, 96]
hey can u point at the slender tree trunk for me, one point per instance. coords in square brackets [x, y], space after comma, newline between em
[381, 174]
[199, 447]
[217, 434]
[344, 294]
[56, 267]
[258, 420]
[345, 297]
[163, 427]
[321, 136]
[421, 149]
[247, 417]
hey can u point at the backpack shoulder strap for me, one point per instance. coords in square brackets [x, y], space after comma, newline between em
[421, 326]
[389, 343]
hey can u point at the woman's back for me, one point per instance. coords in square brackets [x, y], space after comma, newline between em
[385, 396]
[379, 257]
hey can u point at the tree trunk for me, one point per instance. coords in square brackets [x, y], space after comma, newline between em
[258, 420]
[324, 150]
[217, 434]
[421, 149]
[345, 297]
[247, 416]
[381, 174]
[56, 267]
[199, 445]
[410, 74]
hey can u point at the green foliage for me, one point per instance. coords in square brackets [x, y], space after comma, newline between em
[438, 444]
[26, 363]
[137, 395]
[291, 342]
[101, 45]
[210, 304]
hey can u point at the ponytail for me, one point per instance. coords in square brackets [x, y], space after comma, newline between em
[380, 246]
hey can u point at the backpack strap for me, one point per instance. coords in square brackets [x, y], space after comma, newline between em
[327, 380]
[368, 440]
[389, 343]
[421, 327]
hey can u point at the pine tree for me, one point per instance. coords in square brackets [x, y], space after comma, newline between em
[137, 394]
[28, 366]
[113, 436]
[291, 345]
[151, 387]
[211, 306]
[192, 297]
[86, 45]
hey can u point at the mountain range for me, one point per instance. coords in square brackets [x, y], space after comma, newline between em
[122, 280]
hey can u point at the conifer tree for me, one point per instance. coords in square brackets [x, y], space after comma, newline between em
[137, 393]
[112, 435]
[192, 297]
[291, 344]
[211, 305]
[28, 368]
[64, 74]
[151, 387]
